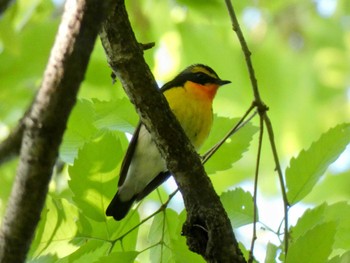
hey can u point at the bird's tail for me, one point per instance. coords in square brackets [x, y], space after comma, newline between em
[118, 208]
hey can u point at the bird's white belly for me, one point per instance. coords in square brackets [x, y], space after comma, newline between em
[145, 165]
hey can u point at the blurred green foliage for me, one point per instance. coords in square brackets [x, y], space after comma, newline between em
[301, 56]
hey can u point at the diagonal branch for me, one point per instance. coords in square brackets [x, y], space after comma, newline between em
[214, 240]
[45, 123]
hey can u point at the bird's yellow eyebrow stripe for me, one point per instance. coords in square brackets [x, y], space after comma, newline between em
[204, 70]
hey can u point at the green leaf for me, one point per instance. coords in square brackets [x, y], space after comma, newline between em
[124, 257]
[305, 170]
[315, 245]
[91, 251]
[80, 129]
[344, 258]
[232, 150]
[163, 231]
[56, 229]
[179, 246]
[271, 253]
[92, 172]
[308, 220]
[89, 118]
[239, 207]
[108, 230]
[117, 115]
[44, 259]
[169, 245]
[340, 213]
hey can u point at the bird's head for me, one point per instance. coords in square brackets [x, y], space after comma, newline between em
[199, 78]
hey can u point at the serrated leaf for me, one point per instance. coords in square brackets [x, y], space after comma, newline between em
[89, 118]
[91, 251]
[80, 129]
[163, 230]
[239, 207]
[315, 245]
[108, 230]
[308, 220]
[306, 169]
[94, 168]
[56, 229]
[232, 150]
[338, 213]
[117, 115]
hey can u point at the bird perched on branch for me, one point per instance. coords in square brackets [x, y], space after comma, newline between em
[190, 95]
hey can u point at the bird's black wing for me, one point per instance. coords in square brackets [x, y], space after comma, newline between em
[157, 181]
[128, 156]
[132, 145]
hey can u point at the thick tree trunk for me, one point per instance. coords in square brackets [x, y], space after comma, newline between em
[46, 122]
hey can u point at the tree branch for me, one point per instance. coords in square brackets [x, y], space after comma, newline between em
[46, 122]
[207, 228]
[262, 109]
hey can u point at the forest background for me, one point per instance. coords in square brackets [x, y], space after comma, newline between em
[301, 56]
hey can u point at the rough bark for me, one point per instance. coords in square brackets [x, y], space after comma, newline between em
[208, 229]
[46, 122]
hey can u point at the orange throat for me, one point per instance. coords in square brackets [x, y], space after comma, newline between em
[207, 91]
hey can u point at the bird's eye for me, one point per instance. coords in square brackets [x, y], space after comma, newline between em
[200, 77]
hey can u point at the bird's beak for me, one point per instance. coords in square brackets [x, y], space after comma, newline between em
[221, 82]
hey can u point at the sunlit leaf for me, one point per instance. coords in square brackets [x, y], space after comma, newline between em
[88, 118]
[239, 207]
[309, 219]
[344, 258]
[232, 150]
[91, 251]
[125, 257]
[337, 213]
[80, 130]
[271, 253]
[44, 259]
[56, 229]
[340, 213]
[89, 176]
[315, 245]
[306, 169]
[163, 231]
[115, 115]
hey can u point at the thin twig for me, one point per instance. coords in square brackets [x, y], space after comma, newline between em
[262, 108]
[236, 128]
[160, 209]
[255, 211]
[279, 171]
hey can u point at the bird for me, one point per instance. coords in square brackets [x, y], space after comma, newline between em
[190, 96]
